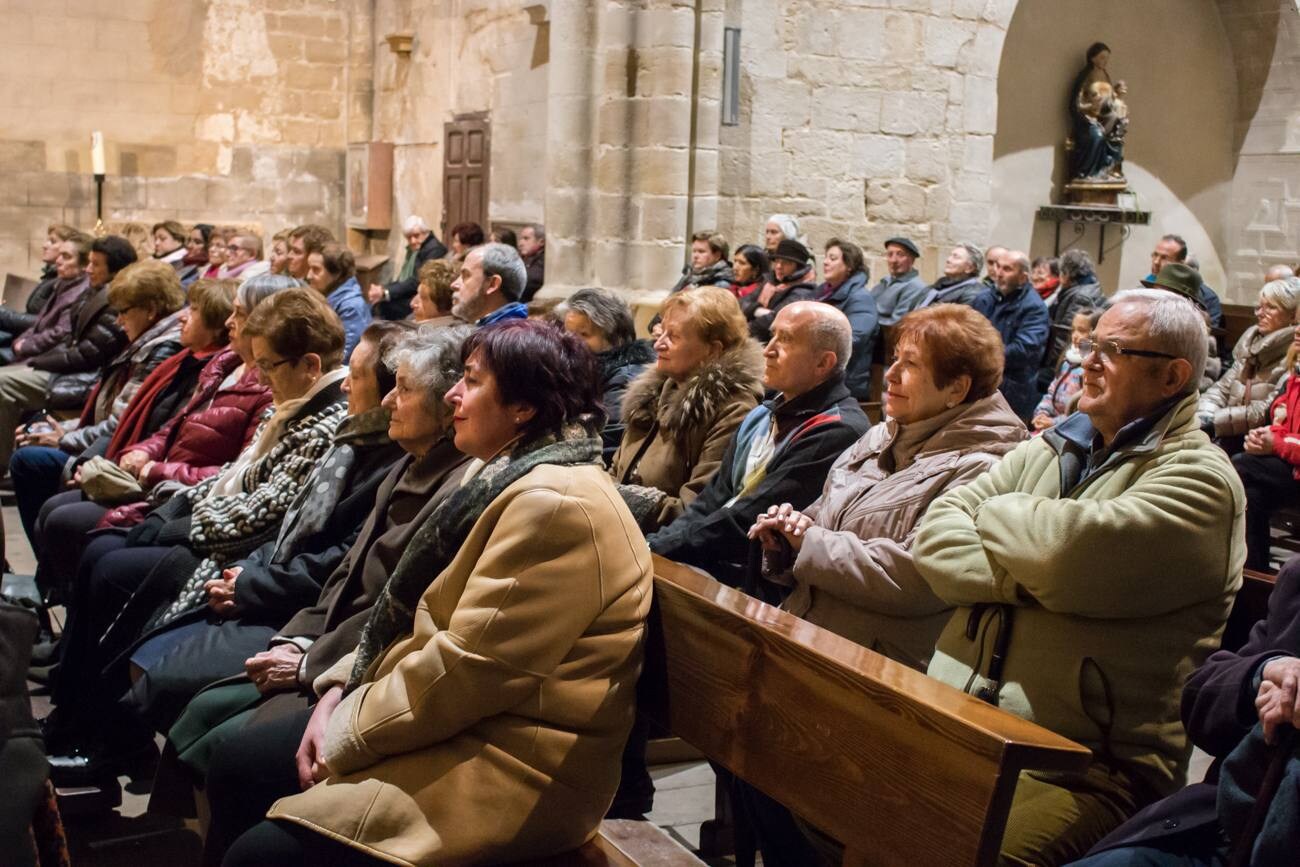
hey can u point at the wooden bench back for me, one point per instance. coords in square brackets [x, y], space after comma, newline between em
[1251, 605]
[891, 763]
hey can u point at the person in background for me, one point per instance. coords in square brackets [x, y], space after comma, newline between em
[681, 413]
[23, 383]
[1172, 249]
[532, 248]
[749, 270]
[1078, 288]
[169, 238]
[709, 265]
[432, 301]
[504, 235]
[782, 450]
[303, 241]
[490, 283]
[416, 722]
[900, 291]
[196, 247]
[1045, 274]
[244, 258]
[991, 257]
[960, 283]
[793, 279]
[1059, 400]
[1182, 279]
[14, 322]
[844, 270]
[1239, 400]
[463, 238]
[332, 272]
[778, 228]
[846, 561]
[394, 301]
[1042, 556]
[603, 321]
[218, 245]
[280, 252]
[1021, 318]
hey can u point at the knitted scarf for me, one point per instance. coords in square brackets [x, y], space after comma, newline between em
[439, 538]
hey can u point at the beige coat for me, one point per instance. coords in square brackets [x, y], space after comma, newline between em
[854, 573]
[1239, 400]
[493, 733]
[681, 430]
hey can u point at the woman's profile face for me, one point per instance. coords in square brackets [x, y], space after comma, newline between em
[1101, 59]
[194, 243]
[680, 349]
[742, 270]
[483, 423]
[1271, 317]
[772, 236]
[834, 269]
[911, 395]
[415, 423]
[580, 325]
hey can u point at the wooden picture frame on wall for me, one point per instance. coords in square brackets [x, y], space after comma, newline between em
[369, 194]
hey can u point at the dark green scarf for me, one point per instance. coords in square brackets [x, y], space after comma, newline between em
[439, 539]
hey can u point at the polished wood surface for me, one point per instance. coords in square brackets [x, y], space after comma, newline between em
[623, 843]
[893, 764]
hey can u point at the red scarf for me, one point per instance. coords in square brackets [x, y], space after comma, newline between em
[131, 427]
[1047, 287]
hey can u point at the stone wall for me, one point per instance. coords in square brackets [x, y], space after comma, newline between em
[220, 110]
[468, 56]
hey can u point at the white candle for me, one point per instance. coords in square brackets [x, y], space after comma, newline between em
[97, 152]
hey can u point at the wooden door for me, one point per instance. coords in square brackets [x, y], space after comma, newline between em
[467, 150]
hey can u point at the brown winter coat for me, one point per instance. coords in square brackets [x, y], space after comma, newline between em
[493, 732]
[854, 574]
[677, 432]
[1239, 400]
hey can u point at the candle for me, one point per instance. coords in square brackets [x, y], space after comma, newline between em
[97, 152]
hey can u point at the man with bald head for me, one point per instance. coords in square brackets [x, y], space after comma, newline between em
[784, 447]
[1020, 316]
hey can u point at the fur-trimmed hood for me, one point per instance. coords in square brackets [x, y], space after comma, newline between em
[682, 407]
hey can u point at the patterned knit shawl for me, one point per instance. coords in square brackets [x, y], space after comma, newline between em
[439, 539]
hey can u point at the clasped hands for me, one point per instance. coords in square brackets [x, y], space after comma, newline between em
[1259, 441]
[221, 591]
[1278, 699]
[783, 521]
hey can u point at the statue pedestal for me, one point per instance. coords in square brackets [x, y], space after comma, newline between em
[1080, 216]
[1104, 193]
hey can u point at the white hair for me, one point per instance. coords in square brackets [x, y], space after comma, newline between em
[788, 224]
[414, 223]
[1176, 326]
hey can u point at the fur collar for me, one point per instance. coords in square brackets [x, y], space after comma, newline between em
[681, 407]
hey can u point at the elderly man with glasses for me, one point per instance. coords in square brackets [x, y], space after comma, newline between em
[1093, 570]
[394, 300]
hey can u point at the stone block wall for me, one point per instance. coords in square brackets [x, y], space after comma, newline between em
[224, 110]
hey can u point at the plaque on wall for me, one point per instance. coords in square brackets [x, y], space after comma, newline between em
[370, 185]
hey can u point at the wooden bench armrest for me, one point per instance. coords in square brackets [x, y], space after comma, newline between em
[868, 749]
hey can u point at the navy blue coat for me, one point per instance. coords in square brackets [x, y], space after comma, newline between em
[1021, 318]
[854, 300]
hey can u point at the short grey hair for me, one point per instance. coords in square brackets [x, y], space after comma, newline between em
[1284, 293]
[1020, 260]
[414, 223]
[1075, 265]
[504, 261]
[431, 354]
[539, 231]
[829, 330]
[787, 223]
[974, 254]
[257, 289]
[1176, 325]
[607, 311]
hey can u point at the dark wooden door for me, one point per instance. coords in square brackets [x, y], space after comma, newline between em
[467, 150]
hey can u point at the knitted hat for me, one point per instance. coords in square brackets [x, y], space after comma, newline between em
[792, 251]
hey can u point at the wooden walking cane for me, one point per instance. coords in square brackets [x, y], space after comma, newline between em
[1242, 848]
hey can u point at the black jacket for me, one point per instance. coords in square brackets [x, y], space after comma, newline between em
[95, 340]
[400, 292]
[854, 300]
[535, 267]
[618, 367]
[1069, 300]
[798, 288]
[1218, 711]
[812, 431]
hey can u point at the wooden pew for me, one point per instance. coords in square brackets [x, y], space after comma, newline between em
[875, 754]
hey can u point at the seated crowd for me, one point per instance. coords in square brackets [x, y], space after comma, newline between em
[377, 561]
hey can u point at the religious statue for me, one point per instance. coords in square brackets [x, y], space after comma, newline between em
[1099, 122]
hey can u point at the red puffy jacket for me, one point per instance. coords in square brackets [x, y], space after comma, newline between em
[212, 429]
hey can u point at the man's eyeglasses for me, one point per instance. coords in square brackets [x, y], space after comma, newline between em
[1109, 349]
[267, 367]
